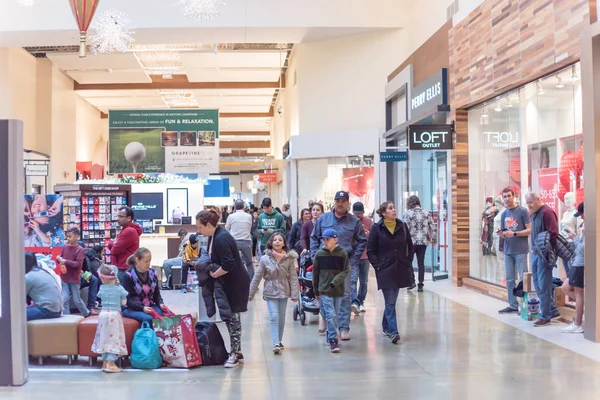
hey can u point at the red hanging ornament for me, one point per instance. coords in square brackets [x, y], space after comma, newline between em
[579, 160]
[83, 11]
[568, 164]
[561, 192]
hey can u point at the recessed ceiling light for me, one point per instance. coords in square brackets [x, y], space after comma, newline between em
[167, 76]
[559, 84]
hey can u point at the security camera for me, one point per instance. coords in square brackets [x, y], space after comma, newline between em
[280, 110]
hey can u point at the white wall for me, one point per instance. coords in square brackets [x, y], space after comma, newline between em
[63, 128]
[336, 144]
[92, 133]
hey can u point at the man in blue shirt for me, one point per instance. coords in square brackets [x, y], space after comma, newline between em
[352, 238]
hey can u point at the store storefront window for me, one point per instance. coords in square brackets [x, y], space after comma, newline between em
[529, 140]
[320, 178]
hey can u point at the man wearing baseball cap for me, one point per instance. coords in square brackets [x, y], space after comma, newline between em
[352, 238]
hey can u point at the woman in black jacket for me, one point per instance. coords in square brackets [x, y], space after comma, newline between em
[293, 240]
[390, 252]
[232, 274]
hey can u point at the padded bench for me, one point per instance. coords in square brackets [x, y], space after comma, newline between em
[53, 337]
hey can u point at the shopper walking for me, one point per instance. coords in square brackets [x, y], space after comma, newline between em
[296, 231]
[515, 228]
[127, 241]
[278, 268]
[543, 219]
[307, 228]
[351, 237]
[239, 225]
[573, 285]
[359, 293]
[390, 251]
[269, 222]
[223, 251]
[423, 233]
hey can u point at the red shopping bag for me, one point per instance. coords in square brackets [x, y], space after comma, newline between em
[177, 340]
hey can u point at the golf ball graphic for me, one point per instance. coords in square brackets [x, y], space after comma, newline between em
[135, 152]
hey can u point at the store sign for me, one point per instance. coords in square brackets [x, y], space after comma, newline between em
[36, 170]
[430, 93]
[430, 137]
[548, 184]
[393, 156]
[502, 139]
[269, 177]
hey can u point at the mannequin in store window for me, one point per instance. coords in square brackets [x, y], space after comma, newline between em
[487, 227]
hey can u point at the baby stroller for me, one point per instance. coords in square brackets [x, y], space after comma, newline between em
[307, 302]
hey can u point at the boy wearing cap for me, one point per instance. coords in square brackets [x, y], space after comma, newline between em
[573, 285]
[189, 260]
[330, 269]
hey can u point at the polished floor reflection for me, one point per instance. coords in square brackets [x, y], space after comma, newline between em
[448, 351]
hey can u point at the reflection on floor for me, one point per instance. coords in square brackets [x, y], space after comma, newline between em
[448, 351]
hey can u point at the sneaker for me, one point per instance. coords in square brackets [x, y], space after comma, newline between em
[322, 325]
[542, 322]
[184, 290]
[355, 309]
[345, 335]
[412, 286]
[395, 338]
[572, 328]
[420, 289]
[387, 335]
[282, 346]
[362, 308]
[276, 349]
[233, 361]
[508, 310]
[334, 346]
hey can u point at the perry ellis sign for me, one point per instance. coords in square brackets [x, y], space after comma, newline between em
[430, 137]
[429, 94]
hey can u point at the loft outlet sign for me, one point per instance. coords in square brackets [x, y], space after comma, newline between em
[430, 137]
[430, 93]
[502, 139]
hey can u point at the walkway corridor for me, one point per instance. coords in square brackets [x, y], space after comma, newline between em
[448, 351]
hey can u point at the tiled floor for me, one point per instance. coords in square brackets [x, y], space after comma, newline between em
[448, 351]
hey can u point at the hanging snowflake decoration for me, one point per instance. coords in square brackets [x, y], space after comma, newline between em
[113, 32]
[201, 10]
[25, 3]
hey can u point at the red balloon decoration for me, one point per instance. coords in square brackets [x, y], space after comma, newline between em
[561, 192]
[580, 159]
[568, 163]
[515, 189]
[514, 170]
[579, 196]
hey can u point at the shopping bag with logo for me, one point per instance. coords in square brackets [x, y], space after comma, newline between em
[145, 353]
[177, 340]
[192, 281]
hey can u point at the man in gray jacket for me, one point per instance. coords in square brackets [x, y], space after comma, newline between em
[352, 238]
[239, 225]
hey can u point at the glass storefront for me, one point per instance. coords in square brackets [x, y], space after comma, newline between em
[529, 140]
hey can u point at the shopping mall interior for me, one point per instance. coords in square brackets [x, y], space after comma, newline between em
[127, 126]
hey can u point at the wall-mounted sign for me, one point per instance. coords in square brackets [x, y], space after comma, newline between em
[430, 137]
[430, 93]
[269, 177]
[503, 139]
[36, 170]
[393, 156]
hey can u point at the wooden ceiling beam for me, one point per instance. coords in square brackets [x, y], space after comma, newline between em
[175, 85]
[245, 144]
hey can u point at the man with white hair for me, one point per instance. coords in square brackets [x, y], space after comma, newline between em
[543, 219]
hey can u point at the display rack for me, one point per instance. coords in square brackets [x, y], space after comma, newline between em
[93, 209]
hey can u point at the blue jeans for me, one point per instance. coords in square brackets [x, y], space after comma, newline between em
[245, 247]
[331, 308]
[35, 312]
[277, 308]
[141, 316]
[361, 273]
[93, 286]
[109, 356]
[512, 264]
[346, 306]
[71, 290]
[389, 322]
[168, 265]
[542, 281]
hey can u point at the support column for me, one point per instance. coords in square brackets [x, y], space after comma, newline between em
[460, 198]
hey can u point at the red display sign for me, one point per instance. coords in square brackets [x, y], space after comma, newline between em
[548, 180]
[269, 177]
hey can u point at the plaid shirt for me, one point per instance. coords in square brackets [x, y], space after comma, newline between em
[421, 226]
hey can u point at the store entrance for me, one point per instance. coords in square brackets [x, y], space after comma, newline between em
[429, 177]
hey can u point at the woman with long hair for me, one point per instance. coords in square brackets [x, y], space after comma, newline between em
[296, 231]
[307, 227]
[423, 233]
[232, 274]
[390, 251]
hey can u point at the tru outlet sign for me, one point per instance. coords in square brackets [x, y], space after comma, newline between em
[430, 137]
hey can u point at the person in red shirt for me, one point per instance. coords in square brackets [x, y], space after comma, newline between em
[127, 241]
[71, 262]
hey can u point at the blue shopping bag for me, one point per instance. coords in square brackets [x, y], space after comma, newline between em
[145, 353]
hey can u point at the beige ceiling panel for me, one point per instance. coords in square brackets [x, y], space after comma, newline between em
[132, 102]
[243, 109]
[239, 59]
[71, 61]
[123, 76]
[238, 75]
[245, 124]
[236, 100]
[117, 93]
[234, 92]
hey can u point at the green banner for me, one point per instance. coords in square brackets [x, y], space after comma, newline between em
[155, 141]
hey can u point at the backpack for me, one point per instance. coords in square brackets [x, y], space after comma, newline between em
[145, 353]
[91, 262]
[212, 346]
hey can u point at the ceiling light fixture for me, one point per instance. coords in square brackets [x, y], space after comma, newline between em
[498, 108]
[167, 76]
[201, 10]
[559, 84]
[508, 103]
[113, 32]
[540, 89]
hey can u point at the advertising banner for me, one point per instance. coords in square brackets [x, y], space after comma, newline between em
[360, 184]
[548, 180]
[269, 177]
[177, 141]
[43, 224]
